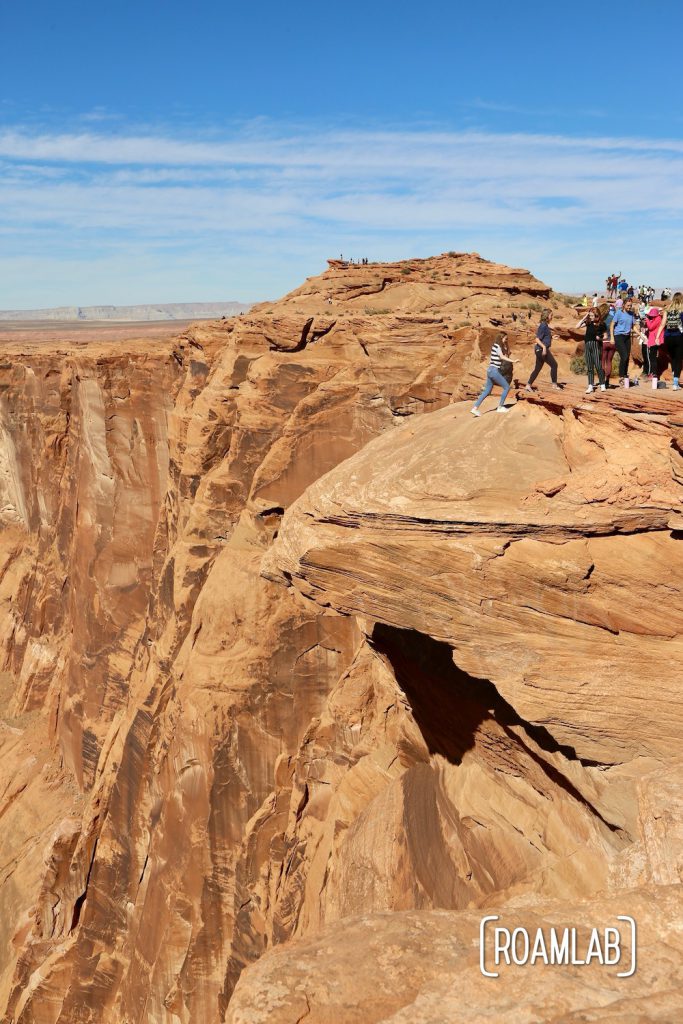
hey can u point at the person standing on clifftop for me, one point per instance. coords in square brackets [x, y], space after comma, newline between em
[653, 327]
[608, 349]
[672, 329]
[620, 334]
[500, 350]
[595, 330]
[544, 338]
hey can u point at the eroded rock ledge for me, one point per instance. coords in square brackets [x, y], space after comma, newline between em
[536, 545]
[516, 709]
[199, 762]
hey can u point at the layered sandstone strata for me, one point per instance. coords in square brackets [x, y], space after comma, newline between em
[204, 762]
[513, 721]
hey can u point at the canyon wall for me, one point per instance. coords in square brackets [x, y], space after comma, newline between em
[229, 725]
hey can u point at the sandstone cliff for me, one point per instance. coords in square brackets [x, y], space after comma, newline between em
[425, 691]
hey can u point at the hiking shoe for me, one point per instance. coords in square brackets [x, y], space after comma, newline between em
[475, 412]
[590, 389]
[502, 408]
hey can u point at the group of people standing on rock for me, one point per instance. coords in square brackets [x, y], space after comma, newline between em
[610, 329]
[617, 286]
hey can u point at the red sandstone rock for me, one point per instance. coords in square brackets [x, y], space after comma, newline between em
[423, 968]
[198, 761]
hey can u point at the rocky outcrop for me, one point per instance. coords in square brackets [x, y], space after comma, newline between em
[204, 762]
[515, 709]
[414, 967]
[515, 540]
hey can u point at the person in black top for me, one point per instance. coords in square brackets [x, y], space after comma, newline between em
[672, 329]
[542, 351]
[595, 332]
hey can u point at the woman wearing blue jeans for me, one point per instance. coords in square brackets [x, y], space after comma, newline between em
[499, 350]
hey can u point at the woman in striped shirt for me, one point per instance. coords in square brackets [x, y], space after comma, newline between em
[500, 350]
[595, 332]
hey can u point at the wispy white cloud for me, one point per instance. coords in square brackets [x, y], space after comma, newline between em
[518, 197]
[365, 149]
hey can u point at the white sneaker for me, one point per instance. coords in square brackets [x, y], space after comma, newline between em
[675, 387]
[590, 389]
[603, 387]
[502, 408]
[475, 412]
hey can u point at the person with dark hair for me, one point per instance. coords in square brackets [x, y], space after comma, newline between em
[620, 334]
[653, 323]
[595, 332]
[500, 352]
[544, 338]
[608, 348]
[672, 329]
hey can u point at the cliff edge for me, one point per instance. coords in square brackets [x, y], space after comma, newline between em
[281, 652]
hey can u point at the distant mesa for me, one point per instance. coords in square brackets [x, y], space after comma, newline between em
[163, 311]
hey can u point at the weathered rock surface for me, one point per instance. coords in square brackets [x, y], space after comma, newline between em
[423, 968]
[538, 546]
[199, 762]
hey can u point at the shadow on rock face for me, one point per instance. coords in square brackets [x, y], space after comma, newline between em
[456, 712]
[449, 705]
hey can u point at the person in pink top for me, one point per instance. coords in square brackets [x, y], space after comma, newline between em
[654, 322]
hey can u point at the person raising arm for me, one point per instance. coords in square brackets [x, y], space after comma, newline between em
[595, 330]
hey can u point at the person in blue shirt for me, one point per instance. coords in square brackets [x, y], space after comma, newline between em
[620, 334]
[544, 338]
[608, 347]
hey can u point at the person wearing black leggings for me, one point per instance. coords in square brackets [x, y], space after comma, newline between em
[544, 338]
[672, 327]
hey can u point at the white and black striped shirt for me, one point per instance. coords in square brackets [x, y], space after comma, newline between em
[496, 355]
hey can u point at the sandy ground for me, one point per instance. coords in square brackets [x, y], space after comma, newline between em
[85, 331]
[25, 335]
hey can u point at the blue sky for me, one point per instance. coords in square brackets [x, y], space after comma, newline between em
[153, 152]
